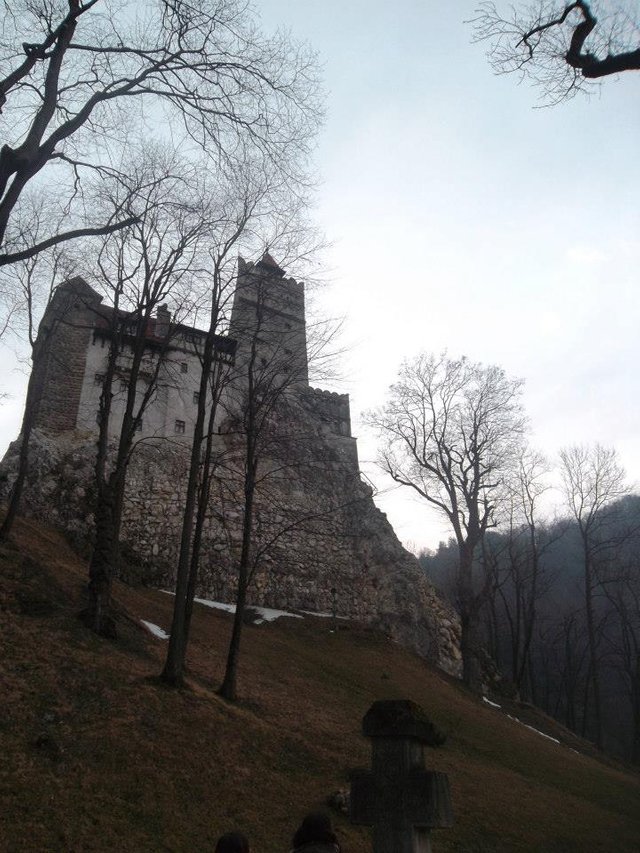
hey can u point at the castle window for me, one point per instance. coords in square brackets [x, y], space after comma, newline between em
[139, 425]
[263, 361]
[179, 427]
[98, 379]
[288, 352]
[196, 397]
[184, 367]
[124, 385]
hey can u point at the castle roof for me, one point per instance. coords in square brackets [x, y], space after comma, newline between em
[268, 264]
[103, 323]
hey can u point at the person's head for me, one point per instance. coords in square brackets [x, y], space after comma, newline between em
[315, 827]
[232, 842]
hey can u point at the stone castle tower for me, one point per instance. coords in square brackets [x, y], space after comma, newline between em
[269, 308]
[320, 538]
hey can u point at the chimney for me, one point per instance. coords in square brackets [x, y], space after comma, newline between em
[163, 321]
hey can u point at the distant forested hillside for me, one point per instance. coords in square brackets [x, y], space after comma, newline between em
[533, 581]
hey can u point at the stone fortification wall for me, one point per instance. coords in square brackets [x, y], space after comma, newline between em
[329, 411]
[59, 370]
[316, 526]
[319, 539]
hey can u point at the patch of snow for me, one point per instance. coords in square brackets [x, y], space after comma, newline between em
[216, 605]
[322, 615]
[269, 615]
[516, 720]
[542, 734]
[156, 630]
[266, 614]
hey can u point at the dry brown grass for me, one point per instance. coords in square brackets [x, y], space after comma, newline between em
[97, 755]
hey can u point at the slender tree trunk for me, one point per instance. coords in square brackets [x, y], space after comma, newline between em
[594, 664]
[586, 701]
[201, 516]
[494, 633]
[23, 457]
[103, 564]
[228, 687]
[470, 640]
[570, 681]
[635, 704]
[173, 672]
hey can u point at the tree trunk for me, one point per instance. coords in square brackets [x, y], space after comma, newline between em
[594, 663]
[103, 564]
[110, 489]
[23, 465]
[470, 635]
[173, 672]
[228, 687]
[201, 516]
[34, 388]
[635, 752]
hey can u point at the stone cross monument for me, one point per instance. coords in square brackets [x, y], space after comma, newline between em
[398, 797]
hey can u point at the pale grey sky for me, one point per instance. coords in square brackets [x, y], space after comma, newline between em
[464, 218]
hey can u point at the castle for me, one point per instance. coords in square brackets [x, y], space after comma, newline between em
[322, 542]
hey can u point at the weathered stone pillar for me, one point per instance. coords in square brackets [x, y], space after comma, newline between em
[398, 797]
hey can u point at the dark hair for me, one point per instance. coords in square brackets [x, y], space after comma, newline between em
[232, 842]
[315, 827]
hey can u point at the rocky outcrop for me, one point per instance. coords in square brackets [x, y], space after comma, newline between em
[320, 539]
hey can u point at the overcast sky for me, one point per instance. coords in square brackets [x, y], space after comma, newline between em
[464, 218]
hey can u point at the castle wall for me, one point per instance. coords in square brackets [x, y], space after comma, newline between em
[269, 311]
[317, 518]
[173, 400]
[318, 538]
[60, 355]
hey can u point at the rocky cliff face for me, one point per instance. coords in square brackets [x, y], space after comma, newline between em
[320, 541]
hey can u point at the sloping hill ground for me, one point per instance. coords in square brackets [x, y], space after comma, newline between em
[96, 755]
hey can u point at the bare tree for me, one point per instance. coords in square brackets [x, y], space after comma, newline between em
[623, 593]
[521, 578]
[592, 479]
[214, 375]
[257, 208]
[163, 257]
[561, 47]
[27, 289]
[266, 448]
[81, 82]
[452, 430]
[267, 368]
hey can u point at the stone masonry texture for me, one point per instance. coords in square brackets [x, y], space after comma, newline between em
[319, 539]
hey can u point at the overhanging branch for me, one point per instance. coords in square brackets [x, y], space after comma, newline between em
[13, 257]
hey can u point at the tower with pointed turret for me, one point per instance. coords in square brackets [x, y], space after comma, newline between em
[268, 320]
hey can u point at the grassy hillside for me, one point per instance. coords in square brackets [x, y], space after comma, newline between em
[96, 755]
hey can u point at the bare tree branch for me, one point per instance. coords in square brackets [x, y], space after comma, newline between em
[560, 47]
[63, 237]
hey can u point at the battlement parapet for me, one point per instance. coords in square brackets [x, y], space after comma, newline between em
[329, 409]
[335, 395]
